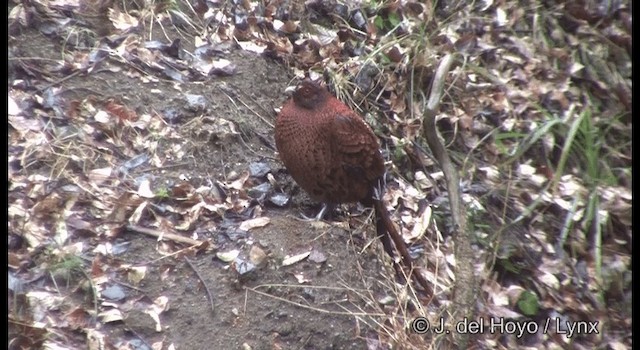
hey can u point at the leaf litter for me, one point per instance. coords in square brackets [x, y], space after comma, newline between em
[538, 118]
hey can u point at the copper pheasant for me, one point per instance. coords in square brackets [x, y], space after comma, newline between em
[333, 154]
[328, 149]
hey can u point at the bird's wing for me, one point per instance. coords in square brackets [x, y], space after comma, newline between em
[355, 144]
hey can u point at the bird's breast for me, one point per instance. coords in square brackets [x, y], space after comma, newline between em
[335, 166]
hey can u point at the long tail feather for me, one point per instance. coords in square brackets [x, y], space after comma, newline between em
[388, 232]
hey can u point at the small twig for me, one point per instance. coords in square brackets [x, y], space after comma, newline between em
[178, 252]
[129, 286]
[348, 313]
[206, 286]
[94, 293]
[224, 91]
[62, 80]
[164, 167]
[129, 329]
[163, 235]
[302, 346]
[465, 289]
[294, 286]
[249, 147]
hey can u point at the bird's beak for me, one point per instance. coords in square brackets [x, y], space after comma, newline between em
[290, 90]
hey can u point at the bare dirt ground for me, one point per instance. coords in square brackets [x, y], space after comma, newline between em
[320, 314]
[324, 319]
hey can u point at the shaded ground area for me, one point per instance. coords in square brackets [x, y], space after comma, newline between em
[323, 319]
[318, 316]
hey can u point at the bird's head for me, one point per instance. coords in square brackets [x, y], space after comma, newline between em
[310, 94]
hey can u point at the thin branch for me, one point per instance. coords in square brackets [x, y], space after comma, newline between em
[163, 235]
[206, 287]
[464, 292]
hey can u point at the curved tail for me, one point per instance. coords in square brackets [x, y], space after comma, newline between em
[388, 232]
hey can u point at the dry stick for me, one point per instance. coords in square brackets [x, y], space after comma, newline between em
[392, 231]
[206, 287]
[164, 167]
[465, 288]
[130, 329]
[59, 81]
[309, 307]
[164, 235]
[129, 286]
[74, 74]
[247, 106]
[180, 239]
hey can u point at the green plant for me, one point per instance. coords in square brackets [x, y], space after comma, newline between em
[162, 192]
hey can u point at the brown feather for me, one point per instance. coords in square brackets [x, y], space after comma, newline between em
[328, 149]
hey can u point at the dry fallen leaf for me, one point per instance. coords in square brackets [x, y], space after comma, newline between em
[257, 256]
[144, 190]
[292, 259]
[135, 274]
[228, 256]
[121, 20]
[253, 223]
[301, 278]
[111, 315]
[99, 176]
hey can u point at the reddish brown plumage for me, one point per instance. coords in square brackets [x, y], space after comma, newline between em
[334, 155]
[328, 148]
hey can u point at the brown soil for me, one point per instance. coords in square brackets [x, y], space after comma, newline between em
[328, 311]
